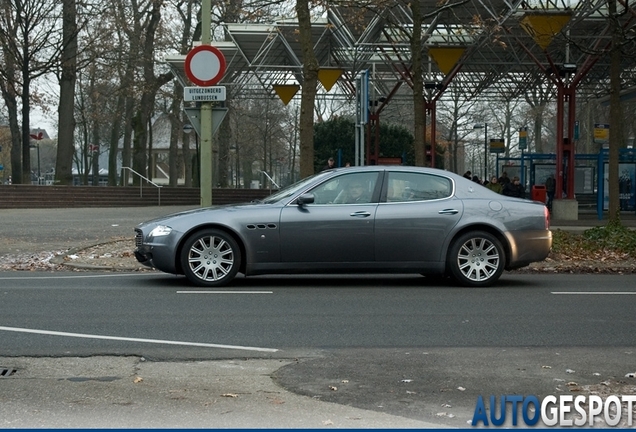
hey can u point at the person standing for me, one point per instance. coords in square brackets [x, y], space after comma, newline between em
[330, 164]
[494, 185]
[514, 188]
[504, 179]
[550, 186]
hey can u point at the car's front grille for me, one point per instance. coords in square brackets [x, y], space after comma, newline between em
[139, 238]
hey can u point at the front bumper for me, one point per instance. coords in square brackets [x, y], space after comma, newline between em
[158, 252]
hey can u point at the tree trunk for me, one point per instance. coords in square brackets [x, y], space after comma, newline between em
[26, 125]
[224, 139]
[176, 130]
[615, 114]
[9, 95]
[419, 119]
[113, 145]
[66, 110]
[308, 98]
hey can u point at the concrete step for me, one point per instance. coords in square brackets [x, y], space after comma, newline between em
[33, 196]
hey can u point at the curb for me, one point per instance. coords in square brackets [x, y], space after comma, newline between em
[62, 260]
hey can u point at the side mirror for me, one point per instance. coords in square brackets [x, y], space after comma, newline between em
[307, 198]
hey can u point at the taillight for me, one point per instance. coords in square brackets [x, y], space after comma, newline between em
[546, 215]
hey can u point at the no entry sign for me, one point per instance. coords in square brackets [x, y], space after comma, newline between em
[205, 65]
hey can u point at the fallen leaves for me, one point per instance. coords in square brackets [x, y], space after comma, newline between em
[117, 254]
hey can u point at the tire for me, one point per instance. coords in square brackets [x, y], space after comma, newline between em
[476, 259]
[210, 258]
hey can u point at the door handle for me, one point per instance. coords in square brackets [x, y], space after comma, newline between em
[360, 214]
[448, 212]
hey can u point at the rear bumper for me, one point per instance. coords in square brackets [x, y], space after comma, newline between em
[528, 246]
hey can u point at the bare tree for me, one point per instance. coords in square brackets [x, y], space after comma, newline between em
[454, 114]
[9, 86]
[30, 45]
[538, 98]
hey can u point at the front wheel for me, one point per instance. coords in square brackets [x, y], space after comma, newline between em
[210, 258]
[476, 259]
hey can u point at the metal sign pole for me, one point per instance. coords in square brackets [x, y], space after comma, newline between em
[362, 115]
[206, 116]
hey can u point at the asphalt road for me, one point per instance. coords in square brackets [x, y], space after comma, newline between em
[395, 345]
[292, 314]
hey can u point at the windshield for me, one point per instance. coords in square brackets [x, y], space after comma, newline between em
[290, 190]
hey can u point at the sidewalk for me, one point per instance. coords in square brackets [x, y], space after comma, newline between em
[588, 219]
[128, 392]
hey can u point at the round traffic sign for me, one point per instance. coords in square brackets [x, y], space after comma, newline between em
[205, 65]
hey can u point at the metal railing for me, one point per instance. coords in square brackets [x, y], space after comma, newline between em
[271, 181]
[141, 185]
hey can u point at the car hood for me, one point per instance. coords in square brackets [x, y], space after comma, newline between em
[194, 213]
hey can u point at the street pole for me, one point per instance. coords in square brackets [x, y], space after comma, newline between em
[39, 171]
[485, 126]
[485, 151]
[206, 116]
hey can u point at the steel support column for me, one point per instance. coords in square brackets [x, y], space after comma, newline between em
[431, 109]
[565, 144]
[373, 139]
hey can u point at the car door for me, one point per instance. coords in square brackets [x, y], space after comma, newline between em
[334, 228]
[414, 220]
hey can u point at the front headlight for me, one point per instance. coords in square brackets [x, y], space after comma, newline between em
[160, 230]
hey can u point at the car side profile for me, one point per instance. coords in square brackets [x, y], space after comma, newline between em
[381, 219]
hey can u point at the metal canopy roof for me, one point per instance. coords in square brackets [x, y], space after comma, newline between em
[502, 58]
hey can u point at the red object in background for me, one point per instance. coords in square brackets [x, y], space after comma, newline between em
[538, 193]
[38, 137]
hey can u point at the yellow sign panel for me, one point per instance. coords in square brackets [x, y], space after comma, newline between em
[601, 133]
[543, 27]
[446, 58]
[497, 145]
[286, 91]
[329, 76]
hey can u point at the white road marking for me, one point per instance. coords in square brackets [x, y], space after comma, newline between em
[154, 341]
[225, 292]
[594, 292]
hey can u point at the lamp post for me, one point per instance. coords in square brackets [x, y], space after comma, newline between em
[37, 147]
[37, 137]
[187, 128]
[485, 128]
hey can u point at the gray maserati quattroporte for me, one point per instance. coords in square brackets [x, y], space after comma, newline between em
[382, 219]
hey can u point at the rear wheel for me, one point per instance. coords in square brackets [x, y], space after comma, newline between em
[210, 258]
[476, 259]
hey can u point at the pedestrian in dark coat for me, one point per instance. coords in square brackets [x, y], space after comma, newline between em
[514, 189]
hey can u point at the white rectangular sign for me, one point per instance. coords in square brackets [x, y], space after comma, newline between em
[204, 94]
